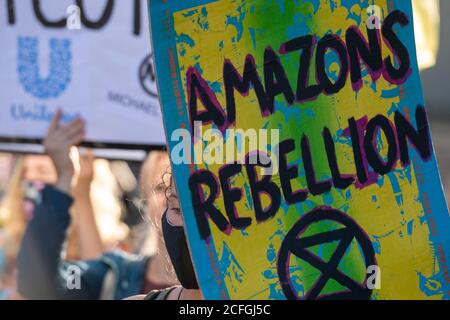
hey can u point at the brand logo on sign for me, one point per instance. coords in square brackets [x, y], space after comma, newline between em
[147, 76]
[60, 68]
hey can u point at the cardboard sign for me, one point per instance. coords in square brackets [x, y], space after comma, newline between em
[342, 199]
[89, 58]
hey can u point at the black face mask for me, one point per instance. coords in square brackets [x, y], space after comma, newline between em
[178, 250]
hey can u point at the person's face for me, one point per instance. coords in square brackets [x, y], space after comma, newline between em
[164, 196]
[173, 205]
[155, 202]
[39, 168]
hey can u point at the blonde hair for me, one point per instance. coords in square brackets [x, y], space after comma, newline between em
[106, 206]
[153, 170]
[105, 194]
[12, 212]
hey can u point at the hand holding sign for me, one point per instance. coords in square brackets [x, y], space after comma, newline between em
[58, 145]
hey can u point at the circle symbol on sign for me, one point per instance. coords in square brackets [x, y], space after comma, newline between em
[298, 245]
[147, 76]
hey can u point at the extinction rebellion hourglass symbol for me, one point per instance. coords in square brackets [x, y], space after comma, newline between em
[297, 244]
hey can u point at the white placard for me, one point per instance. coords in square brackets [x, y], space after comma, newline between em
[110, 154]
[101, 68]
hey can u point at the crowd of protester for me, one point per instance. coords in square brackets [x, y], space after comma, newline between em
[75, 227]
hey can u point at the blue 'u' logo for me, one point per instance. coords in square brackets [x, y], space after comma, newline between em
[59, 72]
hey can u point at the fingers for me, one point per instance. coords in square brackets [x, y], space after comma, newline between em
[67, 131]
[86, 158]
[74, 154]
[55, 121]
[87, 153]
[76, 139]
[72, 129]
[61, 136]
[89, 156]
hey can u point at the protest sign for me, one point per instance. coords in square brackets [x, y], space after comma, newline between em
[340, 195]
[108, 153]
[89, 58]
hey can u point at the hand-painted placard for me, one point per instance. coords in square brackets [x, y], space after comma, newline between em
[354, 207]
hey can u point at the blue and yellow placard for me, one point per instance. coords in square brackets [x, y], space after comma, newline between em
[354, 206]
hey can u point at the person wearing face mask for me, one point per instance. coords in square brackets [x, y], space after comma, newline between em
[178, 251]
[172, 231]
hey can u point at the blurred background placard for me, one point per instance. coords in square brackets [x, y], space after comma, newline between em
[92, 60]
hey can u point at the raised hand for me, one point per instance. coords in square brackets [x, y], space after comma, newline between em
[58, 145]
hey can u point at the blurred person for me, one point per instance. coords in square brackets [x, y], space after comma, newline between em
[89, 245]
[170, 227]
[29, 175]
[7, 269]
[6, 161]
[14, 215]
[97, 205]
[44, 274]
[131, 202]
[13, 219]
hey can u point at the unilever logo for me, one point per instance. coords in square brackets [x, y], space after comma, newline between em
[59, 72]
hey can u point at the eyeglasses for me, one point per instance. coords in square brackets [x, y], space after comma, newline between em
[165, 187]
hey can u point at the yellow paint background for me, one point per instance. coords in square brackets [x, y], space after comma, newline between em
[402, 257]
